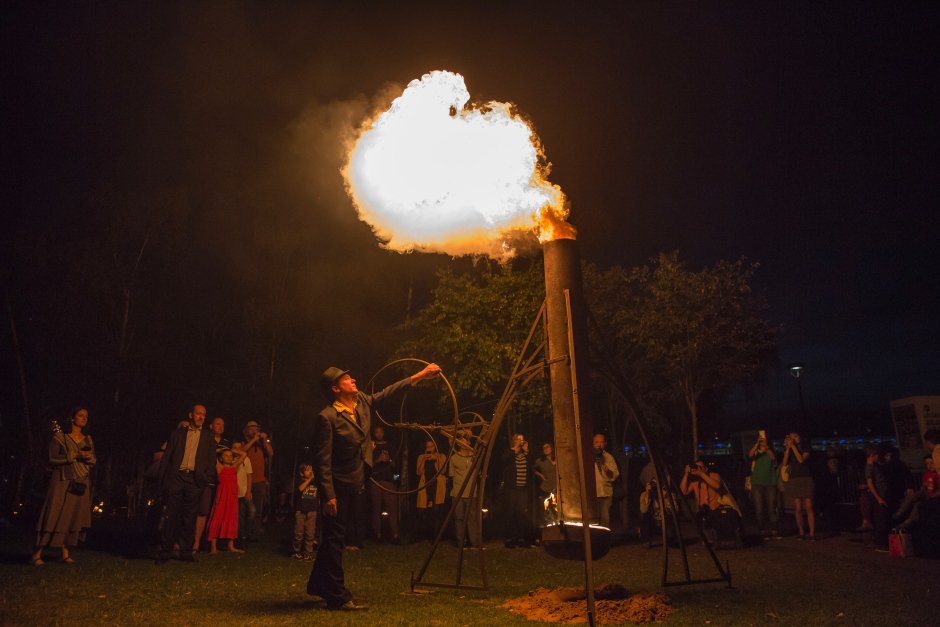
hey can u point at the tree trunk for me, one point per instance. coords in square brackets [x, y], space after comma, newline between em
[693, 412]
[411, 285]
[126, 335]
[22, 370]
[616, 441]
[277, 327]
[21, 475]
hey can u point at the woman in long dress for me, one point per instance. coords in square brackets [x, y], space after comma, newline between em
[66, 513]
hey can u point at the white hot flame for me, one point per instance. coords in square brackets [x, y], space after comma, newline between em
[432, 174]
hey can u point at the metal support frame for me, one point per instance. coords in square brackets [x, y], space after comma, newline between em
[531, 363]
[617, 380]
[528, 366]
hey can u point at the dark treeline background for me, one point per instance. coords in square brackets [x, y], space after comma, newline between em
[140, 305]
[174, 227]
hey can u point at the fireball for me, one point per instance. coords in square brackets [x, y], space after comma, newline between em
[432, 173]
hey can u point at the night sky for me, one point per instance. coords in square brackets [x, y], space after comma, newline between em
[802, 136]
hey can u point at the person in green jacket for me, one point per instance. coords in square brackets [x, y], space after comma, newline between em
[764, 485]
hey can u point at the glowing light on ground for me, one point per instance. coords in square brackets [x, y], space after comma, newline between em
[434, 174]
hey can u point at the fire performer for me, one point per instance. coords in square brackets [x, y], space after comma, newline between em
[340, 439]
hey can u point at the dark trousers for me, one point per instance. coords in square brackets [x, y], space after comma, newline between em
[355, 519]
[765, 502]
[517, 513]
[326, 578]
[259, 499]
[467, 518]
[305, 531]
[244, 507]
[181, 499]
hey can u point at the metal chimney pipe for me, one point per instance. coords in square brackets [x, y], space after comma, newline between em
[563, 272]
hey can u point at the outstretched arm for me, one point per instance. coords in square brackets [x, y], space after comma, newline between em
[429, 372]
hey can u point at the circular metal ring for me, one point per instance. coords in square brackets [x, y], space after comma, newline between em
[453, 397]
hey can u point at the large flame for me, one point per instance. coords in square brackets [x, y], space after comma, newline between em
[432, 174]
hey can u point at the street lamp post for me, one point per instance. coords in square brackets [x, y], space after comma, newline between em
[796, 371]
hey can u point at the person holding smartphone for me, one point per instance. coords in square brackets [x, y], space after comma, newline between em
[764, 486]
[801, 487]
[704, 484]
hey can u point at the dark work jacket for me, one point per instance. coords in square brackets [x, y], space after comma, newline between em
[339, 444]
[204, 471]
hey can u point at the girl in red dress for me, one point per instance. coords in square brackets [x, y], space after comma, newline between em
[223, 521]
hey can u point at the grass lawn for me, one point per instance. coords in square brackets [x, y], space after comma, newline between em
[830, 582]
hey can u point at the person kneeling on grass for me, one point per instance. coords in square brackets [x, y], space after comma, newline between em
[223, 521]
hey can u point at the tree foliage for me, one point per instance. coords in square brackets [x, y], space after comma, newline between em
[475, 326]
[674, 333]
[700, 330]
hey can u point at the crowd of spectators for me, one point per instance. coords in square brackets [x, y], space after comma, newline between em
[205, 487]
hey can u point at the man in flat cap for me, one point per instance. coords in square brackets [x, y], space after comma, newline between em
[340, 439]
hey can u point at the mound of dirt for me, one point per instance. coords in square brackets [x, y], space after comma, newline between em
[612, 603]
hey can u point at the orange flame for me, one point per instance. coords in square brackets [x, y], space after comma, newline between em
[432, 174]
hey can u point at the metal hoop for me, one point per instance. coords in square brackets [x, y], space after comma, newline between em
[415, 426]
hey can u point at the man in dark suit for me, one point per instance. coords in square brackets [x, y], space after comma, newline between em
[187, 467]
[340, 440]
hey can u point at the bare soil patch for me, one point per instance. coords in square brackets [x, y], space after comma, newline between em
[612, 603]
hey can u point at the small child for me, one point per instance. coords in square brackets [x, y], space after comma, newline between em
[223, 521]
[305, 515]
